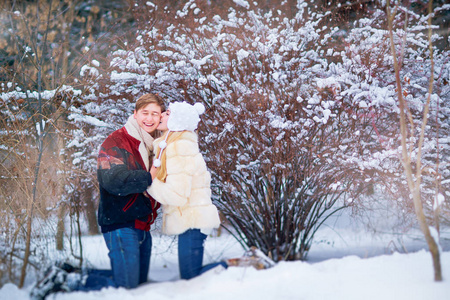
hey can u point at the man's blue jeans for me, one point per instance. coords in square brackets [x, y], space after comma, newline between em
[129, 254]
[190, 254]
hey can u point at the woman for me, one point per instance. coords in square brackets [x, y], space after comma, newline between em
[182, 186]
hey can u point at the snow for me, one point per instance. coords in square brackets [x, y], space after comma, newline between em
[440, 199]
[343, 263]
[242, 3]
[242, 54]
[200, 62]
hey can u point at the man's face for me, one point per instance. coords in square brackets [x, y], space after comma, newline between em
[148, 117]
[164, 118]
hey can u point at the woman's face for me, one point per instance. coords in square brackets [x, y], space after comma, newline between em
[163, 123]
[148, 117]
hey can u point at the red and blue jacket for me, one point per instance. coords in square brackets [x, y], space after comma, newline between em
[123, 179]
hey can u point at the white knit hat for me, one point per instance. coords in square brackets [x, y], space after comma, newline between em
[183, 116]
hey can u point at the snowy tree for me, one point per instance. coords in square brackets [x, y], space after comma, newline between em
[40, 50]
[31, 116]
[412, 147]
[370, 81]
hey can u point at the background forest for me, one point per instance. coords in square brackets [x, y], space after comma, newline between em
[304, 112]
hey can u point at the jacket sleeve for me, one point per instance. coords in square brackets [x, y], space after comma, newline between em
[168, 193]
[116, 177]
[120, 181]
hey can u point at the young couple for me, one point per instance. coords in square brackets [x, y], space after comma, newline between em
[132, 188]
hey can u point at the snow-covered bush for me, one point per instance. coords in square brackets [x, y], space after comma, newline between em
[275, 133]
[299, 114]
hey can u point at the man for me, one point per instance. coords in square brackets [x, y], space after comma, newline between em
[125, 213]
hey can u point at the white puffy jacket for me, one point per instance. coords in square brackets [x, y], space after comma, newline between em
[186, 194]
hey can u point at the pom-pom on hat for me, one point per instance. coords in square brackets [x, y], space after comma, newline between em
[184, 116]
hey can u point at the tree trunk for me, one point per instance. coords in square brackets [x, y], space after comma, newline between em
[30, 210]
[23, 273]
[432, 243]
[91, 213]
[414, 183]
[60, 229]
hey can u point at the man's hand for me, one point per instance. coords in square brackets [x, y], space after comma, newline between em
[153, 171]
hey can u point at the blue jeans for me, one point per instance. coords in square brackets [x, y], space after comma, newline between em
[129, 253]
[190, 254]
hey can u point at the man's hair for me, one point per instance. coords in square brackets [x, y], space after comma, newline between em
[146, 99]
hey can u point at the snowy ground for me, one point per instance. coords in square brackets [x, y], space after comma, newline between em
[343, 264]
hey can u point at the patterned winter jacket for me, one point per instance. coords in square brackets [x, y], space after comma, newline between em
[186, 194]
[123, 177]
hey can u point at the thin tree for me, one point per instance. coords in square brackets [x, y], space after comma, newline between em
[36, 102]
[414, 178]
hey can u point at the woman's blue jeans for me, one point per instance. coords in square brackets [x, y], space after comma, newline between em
[129, 253]
[190, 254]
